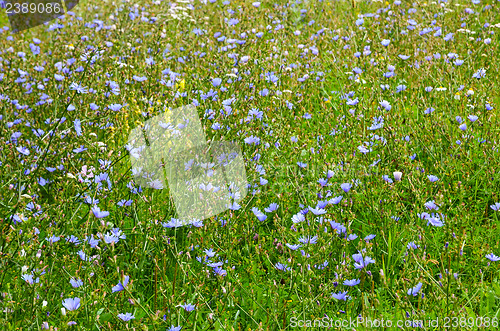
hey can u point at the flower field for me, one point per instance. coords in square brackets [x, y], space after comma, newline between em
[370, 134]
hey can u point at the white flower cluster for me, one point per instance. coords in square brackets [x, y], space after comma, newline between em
[179, 10]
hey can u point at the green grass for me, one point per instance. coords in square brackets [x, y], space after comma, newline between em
[458, 281]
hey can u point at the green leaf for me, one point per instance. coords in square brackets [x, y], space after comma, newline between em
[107, 317]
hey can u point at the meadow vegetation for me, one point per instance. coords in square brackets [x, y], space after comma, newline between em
[370, 132]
